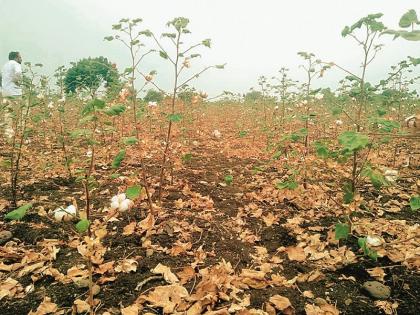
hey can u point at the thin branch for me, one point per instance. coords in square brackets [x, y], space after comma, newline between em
[194, 76]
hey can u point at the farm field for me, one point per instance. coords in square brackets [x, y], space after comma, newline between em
[120, 197]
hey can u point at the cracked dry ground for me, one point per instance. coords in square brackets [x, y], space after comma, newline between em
[232, 247]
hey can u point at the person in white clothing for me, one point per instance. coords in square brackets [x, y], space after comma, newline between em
[11, 89]
[11, 75]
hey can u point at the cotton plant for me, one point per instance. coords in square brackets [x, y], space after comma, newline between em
[121, 203]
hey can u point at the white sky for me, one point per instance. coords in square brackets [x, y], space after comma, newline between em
[253, 37]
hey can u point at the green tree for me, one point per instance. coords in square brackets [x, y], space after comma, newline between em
[89, 74]
[153, 96]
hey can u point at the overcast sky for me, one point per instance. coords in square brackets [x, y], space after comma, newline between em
[253, 37]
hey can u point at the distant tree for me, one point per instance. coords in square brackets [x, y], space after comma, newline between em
[89, 74]
[153, 96]
[253, 96]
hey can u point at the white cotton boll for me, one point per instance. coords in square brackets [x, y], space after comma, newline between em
[115, 204]
[391, 175]
[217, 134]
[71, 209]
[276, 108]
[373, 240]
[50, 105]
[66, 215]
[89, 153]
[121, 197]
[338, 122]
[125, 205]
[114, 199]
[152, 104]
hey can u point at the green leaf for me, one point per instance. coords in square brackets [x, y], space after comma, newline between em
[187, 157]
[322, 150]
[288, 184]
[415, 203]
[175, 117]
[118, 159]
[408, 19]
[109, 38]
[353, 141]
[83, 225]
[206, 42]
[163, 54]
[115, 110]
[228, 179]
[243, 133]
[133, 192]
[372, 254]
[342, 231]
[115, 176]
[19, 213]
[130, 140]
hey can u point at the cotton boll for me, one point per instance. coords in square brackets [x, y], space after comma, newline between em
[66, 215]
[71, 209]
[125, 205]
[338, 122]
[373, 240]
[59, 213]
[114, 199]
[115, 204]
[217, 134]
[121, 197]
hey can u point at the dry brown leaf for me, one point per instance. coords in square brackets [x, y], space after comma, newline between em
[282, 303]
[126, 265]
[166, 272]
[81, 306]
[296, 253]
[186, 274]
[147, 223]
[195, 309]
[104, 268]
[10, 288]
[168, 297]
[129, 228]
[308, 294]
[377, 273]
[46, 307]
[130, 310]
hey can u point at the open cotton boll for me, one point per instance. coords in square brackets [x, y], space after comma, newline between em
[121, 197]
[374, 240]
[115, 204]
[125, 205]
[67, 214]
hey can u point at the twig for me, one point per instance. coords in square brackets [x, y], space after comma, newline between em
[142, 283]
